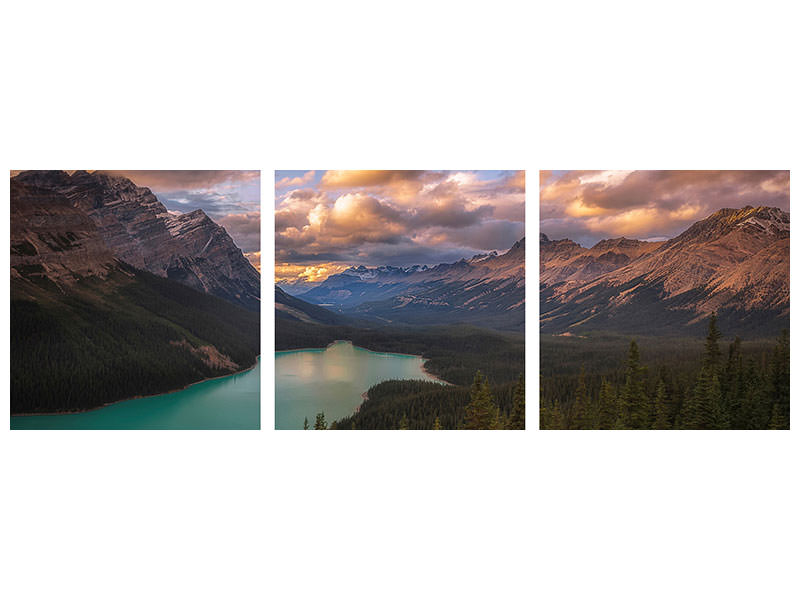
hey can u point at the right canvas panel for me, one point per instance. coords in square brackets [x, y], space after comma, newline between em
[664, 299]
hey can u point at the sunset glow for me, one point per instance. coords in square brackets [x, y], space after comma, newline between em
[587, 206]
[326, 221]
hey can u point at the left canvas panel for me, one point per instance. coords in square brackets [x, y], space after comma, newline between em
[135, 299]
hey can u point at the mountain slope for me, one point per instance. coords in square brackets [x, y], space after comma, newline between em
[486, 289]
[126, 334]
[735, 262]
[289, 307]
[138, 230]
[87, 328]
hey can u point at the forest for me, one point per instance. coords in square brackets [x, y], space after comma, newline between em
[428, 405]
[686, 384]
[483, 369]
[117, 338]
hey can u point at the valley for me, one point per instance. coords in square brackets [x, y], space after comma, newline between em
[461, 318]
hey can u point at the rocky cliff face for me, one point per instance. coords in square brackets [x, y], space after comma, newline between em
[51, 238]
[735, 262]
[138, 230]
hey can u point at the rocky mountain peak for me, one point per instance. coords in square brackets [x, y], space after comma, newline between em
[138, 230]
[735, 262]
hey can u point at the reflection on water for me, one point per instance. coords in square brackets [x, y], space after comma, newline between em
[332, 380]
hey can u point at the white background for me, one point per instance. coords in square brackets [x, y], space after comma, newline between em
[485, 85]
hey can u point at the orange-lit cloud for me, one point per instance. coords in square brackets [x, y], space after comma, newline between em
[295, 181]
[398, 217]
[289, 273]
[587, 206]
[254, 258]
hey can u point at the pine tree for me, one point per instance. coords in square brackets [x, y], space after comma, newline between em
[732, 385]
[403, 422]
[608, 409]
[517, 420]
[556, 420]
[437, 425]
[634, 408]
[720, 419]
[320, 422]
[777, 421]
[579, 413]
[481, 411]
[305, 423]
[701, 413]
[712, 356]
[662, 407]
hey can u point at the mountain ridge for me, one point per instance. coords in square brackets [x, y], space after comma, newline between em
[487, 288]
[137, 229]
[735, 262]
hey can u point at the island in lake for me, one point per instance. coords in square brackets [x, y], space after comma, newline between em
[134, 308]
[400, 300]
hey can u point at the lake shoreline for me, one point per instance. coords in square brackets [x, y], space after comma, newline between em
[107, 404]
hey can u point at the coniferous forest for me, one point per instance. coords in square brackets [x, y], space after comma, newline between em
[595, 383]
[132, 334]
[483, 369]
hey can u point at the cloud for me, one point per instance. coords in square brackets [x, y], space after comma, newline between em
[350, 179]
[244, 228]
[587, 206]
[165, 181]
[306, 178]
[292, 273]
[255, 259]
[396, 217]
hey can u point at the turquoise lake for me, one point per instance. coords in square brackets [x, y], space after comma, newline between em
[231, 402]
[332, 379]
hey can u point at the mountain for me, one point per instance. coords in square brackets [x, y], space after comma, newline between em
[565, 261]
[488, 289]
[87, 326]
[294, 309]
[138, 230]
[735, 263]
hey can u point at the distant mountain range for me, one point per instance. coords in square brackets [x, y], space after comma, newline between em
[113, 220]
[113, 297]
[487, 289]
[734, 263]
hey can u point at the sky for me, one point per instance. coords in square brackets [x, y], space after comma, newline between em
[589, 206]
[231, 198]
[326, 221]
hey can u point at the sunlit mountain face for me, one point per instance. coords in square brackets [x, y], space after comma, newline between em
[660, 251]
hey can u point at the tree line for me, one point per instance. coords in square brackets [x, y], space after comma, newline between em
[415, 404]
[725, 392]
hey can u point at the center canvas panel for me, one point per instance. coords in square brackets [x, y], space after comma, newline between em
[399, 299]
